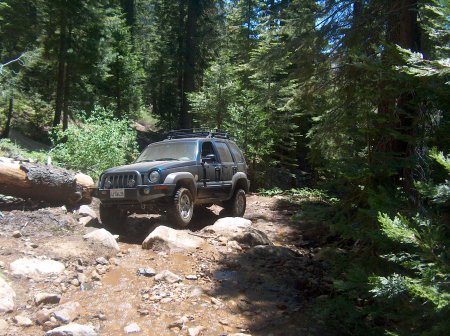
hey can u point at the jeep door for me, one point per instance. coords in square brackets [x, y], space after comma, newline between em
[228, 167]
[210, 182]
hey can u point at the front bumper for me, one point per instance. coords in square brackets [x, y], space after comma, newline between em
[139, 195]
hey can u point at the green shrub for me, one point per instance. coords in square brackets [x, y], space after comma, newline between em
[98, 143]
[419, 255]
[10, 149]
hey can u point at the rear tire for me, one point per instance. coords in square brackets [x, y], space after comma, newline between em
[113, 218]
[182, 208]
[235, 207]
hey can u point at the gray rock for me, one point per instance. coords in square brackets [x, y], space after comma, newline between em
[67, 312]
[43, 316]
[72, 329]
[35, 267]
[132, 328]
[196, 331]
[149, 272]
[75, 282]
[236, 229]
[233, 245]
[82, 278]
[166, 300]
[273, 252]
[23, 321]
[179, 323]
[191, 277]
[4, 327]
[87, 221]
[46, 298]
[17, 234]
[165, 239]
[7, 296]
[95, 276]
[86, 210]
[195, 291]
[102, 261]
[252, 237]
[167, 276]
[104, 237]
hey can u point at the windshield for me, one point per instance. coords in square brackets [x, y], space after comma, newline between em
[167, 151]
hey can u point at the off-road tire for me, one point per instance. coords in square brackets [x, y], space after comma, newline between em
[113, 218]
[235, 206]
[182, 208]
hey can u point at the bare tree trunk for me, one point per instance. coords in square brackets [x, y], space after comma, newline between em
[61, 69]
[8, 118]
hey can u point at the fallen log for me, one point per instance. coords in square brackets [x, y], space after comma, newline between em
[46, 183]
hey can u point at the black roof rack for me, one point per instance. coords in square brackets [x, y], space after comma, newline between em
[197, 133]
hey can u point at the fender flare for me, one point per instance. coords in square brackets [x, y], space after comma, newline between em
[239, 176]
[175, 178]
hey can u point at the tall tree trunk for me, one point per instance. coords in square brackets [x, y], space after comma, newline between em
[129, 8]
[190, 61]
[67, 83]
[403, 30]
[61, 68]
[181, 58]
[8, 118]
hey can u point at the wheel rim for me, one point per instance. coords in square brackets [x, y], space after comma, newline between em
[240, 203]
[185, 206]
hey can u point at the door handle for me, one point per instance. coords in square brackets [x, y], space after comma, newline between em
[217, 173]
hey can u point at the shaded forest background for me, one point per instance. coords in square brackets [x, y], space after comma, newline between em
[353, 93]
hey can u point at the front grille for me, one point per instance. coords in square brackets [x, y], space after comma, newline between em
[114, 181]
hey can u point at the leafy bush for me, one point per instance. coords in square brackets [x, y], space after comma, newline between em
[98, 143]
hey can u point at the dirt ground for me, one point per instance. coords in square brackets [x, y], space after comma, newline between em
[254, 291]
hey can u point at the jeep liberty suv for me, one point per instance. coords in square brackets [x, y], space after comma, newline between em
[188, 168]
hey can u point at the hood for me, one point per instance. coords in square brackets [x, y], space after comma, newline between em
[143, 167]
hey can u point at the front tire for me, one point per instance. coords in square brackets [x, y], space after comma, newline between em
[183, 207]
[113, 218]
[236, 206]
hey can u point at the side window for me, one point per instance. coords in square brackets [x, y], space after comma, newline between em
[224, 152]
[238, 156]
[207, 149]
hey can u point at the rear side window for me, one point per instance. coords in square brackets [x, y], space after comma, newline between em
[224, 152]
[238, 156]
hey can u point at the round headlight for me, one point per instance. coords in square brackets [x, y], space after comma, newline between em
[153, 177]
[108, 184]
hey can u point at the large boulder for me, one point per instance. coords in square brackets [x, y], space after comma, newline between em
[165, 239]
[103, 237]
[7, 296]
[36, 267]
[237, 229]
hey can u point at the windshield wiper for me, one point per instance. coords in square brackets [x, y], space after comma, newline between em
[166, 159]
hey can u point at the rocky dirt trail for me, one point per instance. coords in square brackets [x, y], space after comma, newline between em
[62, 274]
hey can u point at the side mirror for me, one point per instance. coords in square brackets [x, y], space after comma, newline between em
[209, 158]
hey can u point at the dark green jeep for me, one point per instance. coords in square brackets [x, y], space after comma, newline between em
[188, 168]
